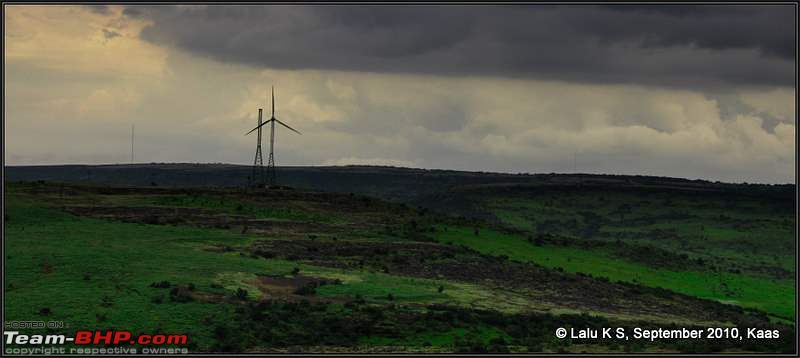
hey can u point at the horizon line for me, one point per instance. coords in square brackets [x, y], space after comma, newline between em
[403, 167]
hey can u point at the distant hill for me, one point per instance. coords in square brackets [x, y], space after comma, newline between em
[393, 183]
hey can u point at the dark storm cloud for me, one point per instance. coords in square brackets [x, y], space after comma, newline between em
[663, 45]
[100, 9]
[770, 29]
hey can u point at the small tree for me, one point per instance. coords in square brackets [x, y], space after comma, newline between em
[241, 294]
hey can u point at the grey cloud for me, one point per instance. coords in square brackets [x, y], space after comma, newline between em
[767, 28]
[730, 106]
[696, 46]
[132, 12]
[110, 34]
[192, 109]
[100, 9]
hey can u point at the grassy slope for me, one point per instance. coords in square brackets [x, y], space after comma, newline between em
[745, 231]
[96, 274]
[774, 296]
[747, 234]
[49, 253]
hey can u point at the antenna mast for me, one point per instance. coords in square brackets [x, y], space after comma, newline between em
[133, 126]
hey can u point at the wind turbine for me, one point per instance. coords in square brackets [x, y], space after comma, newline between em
[271, 121]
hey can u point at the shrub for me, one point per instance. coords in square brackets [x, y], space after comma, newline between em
[162, 284]
[241, 294]
[307, 289]
[180, 294]
[106, 301]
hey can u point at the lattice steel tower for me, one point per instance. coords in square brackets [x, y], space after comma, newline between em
[257, 176]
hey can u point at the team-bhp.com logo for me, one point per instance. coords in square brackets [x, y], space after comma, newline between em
[95, 338]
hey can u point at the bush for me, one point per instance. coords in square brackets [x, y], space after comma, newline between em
[180, 294]
[307, 289]
[162, 284]
[100, 317]
[241, 294]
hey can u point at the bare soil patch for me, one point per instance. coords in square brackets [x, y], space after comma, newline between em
[155, 215]
[437, 261]
[294, 288]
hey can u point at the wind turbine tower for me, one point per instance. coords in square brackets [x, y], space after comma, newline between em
[271, 175]
[257, 175]
[271, 159]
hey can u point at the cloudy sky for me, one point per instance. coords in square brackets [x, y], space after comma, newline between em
[684, 91]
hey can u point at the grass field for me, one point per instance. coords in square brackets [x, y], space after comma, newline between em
[97, 274]
[772, 295]
[237, 272]
[750, 234]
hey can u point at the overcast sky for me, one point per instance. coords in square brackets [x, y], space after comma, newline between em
[684, 91]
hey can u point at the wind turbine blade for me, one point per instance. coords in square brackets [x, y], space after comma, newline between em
[262, 124]
[287, 126]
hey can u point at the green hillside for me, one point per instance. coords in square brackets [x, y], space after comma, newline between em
[296, 271]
